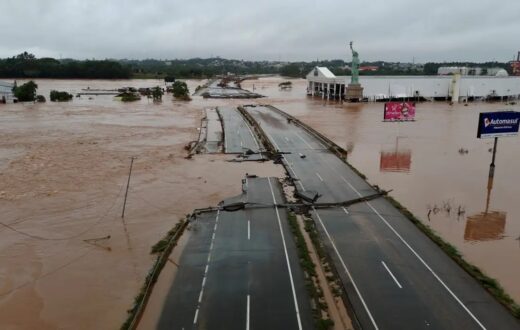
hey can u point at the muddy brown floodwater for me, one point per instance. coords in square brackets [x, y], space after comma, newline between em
[436, 167]
[63, 170]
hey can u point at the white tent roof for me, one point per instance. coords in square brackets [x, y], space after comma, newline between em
[325, 72]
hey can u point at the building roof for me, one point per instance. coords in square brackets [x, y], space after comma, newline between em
[323, 75]
[325, 72]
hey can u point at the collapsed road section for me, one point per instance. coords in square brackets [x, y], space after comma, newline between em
[210, 134]
[224, 129]
[238, 135]
[225, 89]
[240, 269]
[394, 275]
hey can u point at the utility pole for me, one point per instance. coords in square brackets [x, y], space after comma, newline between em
[127, 186]
[492, 165]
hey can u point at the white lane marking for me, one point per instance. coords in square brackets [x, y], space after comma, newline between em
[196, 316]
[272, 141]
[316, 140]
[286, 258]
[351, 186]
[295, 176]
[241, 144]
[346, 270]
[304, 141]
[399, 236]
[286, 139]
[252, 135]
[392, 275]
[319, 176]
[420, 258]
[345, 210]
[206, 270]
[248, 229]
[247, 317]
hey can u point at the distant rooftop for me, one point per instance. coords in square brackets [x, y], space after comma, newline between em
[6, 84]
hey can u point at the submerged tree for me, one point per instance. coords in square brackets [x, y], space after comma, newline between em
[181, 91]
[26, 92]
[157, 94]
[57, 96]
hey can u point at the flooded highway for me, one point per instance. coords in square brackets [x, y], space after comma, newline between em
[392, 272]
[240, 269]
[421, 161]
[63, 167]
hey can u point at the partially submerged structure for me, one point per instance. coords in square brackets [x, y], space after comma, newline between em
[323, 83]
[6, 92]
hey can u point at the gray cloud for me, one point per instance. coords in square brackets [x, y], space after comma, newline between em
[396, 30]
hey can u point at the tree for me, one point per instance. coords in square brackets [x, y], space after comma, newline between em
[157, 94]
[181, 91]
[291, 70]
[57, 96]
[26, 92]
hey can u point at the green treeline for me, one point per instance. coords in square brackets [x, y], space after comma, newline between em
[197, 67]
[28, 66]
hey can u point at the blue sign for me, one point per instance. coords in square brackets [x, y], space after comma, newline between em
[497, 124]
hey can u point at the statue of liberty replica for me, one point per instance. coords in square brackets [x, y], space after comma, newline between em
[354, 89]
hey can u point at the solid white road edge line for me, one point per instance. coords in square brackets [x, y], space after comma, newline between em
[251, 132]
[419, 257]
[392, 275]
[205, 271]
[346, 270]
[286, 258]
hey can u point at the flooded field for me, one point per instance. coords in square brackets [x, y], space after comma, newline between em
[68, 259]
[436, 167]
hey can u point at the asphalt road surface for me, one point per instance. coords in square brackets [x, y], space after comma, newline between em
[240, 270]
[238, 136]
[395, 277]
[213, 131]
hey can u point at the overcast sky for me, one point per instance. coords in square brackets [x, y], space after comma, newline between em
[392, 30]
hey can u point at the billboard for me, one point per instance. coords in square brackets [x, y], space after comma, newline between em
[399, 111]
[395, 161]
[497, 124]
[485, 226]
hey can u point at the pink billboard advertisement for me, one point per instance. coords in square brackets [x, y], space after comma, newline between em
[399, 111]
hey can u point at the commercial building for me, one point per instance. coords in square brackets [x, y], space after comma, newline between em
[323, 83]
[471, 71]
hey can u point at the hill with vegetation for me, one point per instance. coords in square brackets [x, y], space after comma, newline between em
[26, 65]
